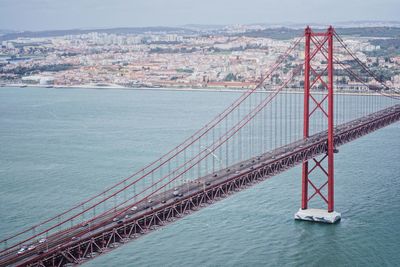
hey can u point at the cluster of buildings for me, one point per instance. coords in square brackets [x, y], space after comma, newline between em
[160, 60]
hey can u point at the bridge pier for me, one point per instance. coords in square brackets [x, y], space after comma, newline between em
[318, 215]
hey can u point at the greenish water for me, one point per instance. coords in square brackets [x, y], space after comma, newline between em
[58, 146]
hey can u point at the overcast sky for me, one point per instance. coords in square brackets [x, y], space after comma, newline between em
[67, 14]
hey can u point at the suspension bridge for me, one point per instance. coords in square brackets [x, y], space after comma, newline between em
[267, 130]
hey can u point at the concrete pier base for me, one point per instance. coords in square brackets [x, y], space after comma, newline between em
[318, 215]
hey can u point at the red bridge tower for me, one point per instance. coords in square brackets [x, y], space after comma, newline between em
[318, 48]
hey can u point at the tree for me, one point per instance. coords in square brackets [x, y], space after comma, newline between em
[230, 77]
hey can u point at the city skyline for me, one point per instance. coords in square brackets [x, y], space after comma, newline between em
[37, 15]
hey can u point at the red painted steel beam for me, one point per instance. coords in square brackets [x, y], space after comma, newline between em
[306, 132]
[330, 122]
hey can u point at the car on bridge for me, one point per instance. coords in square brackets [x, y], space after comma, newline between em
[22, 250]
[133, 208]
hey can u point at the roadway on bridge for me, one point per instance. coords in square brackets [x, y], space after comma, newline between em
[69, 237]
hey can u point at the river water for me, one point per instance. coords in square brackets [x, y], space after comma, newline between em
[59, 146]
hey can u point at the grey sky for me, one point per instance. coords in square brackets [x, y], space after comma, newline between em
[67, 14]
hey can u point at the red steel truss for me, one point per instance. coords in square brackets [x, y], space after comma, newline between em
[111, 237]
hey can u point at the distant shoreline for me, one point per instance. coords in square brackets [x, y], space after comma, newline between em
[187, 89]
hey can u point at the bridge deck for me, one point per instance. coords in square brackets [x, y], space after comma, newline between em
[77, 245]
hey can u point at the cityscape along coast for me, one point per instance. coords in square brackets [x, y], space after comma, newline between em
[232, 57]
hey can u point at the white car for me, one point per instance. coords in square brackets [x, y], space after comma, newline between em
[31, 247]
[43, 240]
[22, 250]
[133, 208]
